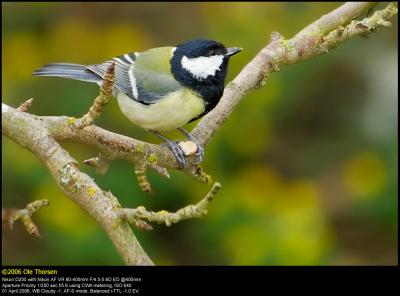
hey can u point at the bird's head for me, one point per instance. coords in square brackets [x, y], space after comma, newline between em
[201, 61]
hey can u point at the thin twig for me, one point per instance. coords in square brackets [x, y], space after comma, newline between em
[164, 217]
[12, 215]
[24, 107]
[101, 100]
[100, 163]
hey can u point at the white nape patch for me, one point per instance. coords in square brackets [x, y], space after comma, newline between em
[173, 50]
[202, 67]
[132, 79]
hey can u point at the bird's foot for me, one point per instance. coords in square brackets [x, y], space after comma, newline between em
[178, 152]
[175, 148]
[200, 150]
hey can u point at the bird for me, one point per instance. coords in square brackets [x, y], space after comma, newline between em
[163, 88]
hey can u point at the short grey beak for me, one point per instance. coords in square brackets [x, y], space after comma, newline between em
[233, 50]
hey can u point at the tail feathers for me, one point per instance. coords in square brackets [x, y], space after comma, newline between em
[71, 71]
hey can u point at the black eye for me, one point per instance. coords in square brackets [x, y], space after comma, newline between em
[211, 52]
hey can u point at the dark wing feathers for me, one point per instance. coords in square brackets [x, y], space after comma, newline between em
[147, 87]
[145, 77]
[71, 71]
[122, 80]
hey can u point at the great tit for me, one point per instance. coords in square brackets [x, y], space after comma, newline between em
[162, 88]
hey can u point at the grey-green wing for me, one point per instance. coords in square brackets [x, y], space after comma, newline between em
[145, 77]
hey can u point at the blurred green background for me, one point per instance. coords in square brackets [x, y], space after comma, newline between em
[308, 163]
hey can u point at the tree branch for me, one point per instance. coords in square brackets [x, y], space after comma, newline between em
[31, 132]
[40, 134]
[307, 44]
[315, 39]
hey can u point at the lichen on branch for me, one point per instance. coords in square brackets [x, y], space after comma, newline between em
[138, 215]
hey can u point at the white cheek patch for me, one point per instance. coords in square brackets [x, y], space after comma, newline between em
[202, 67]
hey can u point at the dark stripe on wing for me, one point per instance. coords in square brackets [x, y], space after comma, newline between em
[123, 83]
[122, 67]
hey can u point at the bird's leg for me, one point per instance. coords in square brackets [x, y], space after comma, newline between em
[175, 148]
[200, 149]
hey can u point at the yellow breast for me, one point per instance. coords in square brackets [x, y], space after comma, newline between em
[171, 112]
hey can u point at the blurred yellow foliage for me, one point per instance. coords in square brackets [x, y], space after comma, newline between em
[14, 64]
[73, 40]
[78, 40]
[247, 244]
[364, 175]
[18, 158]
[289, 226]
[257, 187]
